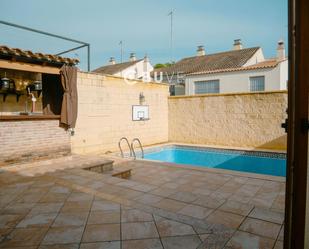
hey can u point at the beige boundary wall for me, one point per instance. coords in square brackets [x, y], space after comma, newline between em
[105, 113]
[251, 120]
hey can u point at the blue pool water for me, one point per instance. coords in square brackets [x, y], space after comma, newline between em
[253, 162]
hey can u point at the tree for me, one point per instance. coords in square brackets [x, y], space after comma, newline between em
[161, 65]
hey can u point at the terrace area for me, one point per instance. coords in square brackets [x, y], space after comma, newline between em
[49, 200]
[57, 204]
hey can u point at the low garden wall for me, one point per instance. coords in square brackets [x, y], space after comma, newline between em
[22, 139]
[240, 120]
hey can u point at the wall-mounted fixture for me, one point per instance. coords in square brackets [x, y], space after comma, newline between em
[35, 86]
[141, 98]
[7, 86]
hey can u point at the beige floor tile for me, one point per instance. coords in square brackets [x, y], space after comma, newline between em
[260, 227]
[184, 196]
[164, 192]
[24, 237]
[281, 234]
[103, 217]
[168, 228]
[64, 246]
[148, 199]
[144, 187]
[42, 208]
[279, 245]
[79, 196]
[227, 219]
[183, 242]
[236, 207]
[245, 240]
[76, 206]
[135, 215]
[207, 201]
[18, 208]
[10, 220]
[195, 211]
[63, 235]
[37, 220]
[142, 244]
[101, 245]
[54, 197]
[30, 198]
[139, 230]
[267, 215]
[102, 232]
[70, 219]
[170, 205]
[102, 205]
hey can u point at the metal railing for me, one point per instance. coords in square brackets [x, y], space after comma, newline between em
[140, 145]
[119, 145]
[131, 147]
[82, 44]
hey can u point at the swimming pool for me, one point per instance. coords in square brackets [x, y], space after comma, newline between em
[245, 161]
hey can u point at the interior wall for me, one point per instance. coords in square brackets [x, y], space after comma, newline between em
[250, 120]
[105, 113]
[22, 79]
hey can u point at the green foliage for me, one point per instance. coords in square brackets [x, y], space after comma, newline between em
[161, 65]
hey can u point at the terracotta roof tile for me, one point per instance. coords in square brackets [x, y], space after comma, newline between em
[116, 68]
[262, 65]
[212, 62]
[27, 54]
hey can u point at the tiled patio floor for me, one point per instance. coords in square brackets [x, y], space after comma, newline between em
[56, 204]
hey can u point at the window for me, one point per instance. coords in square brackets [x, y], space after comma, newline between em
[257, 84]
[209, 86]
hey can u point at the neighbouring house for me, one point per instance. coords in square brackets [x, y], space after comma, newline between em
[132, 69]
[238, 70]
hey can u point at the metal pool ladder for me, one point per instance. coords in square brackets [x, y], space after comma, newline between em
[119, 145]
[140, 145]
[131, 147]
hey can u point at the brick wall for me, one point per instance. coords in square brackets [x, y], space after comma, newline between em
[32, 138]
[240, 120]
[105, 113]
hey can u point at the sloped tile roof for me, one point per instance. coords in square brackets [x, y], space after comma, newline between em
[36, 57]
[211, 62]
[116, 68]
[271, 63]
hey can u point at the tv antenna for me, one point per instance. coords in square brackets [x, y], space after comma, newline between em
[171, 13]
[121, 50]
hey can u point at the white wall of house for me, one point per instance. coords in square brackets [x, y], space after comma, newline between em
[239, 81]
[137, 70]
[256, 58]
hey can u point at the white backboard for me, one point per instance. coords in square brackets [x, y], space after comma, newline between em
[140, 112]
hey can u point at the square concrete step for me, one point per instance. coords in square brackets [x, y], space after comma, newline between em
[100, 167]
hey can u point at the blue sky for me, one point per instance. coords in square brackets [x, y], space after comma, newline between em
[144, 26]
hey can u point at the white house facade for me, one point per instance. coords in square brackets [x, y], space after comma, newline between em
[261, 77]
[238, 70]
[132, 69]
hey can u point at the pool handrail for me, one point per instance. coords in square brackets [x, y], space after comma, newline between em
[119, 145]
[140, 145]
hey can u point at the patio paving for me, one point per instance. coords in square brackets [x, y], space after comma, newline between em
[57, 204]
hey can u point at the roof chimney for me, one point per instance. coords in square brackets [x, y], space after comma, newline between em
[200, 51]
[237, 44]
[132, 57]
[280, 51]
[145, 63]
[112, 61]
